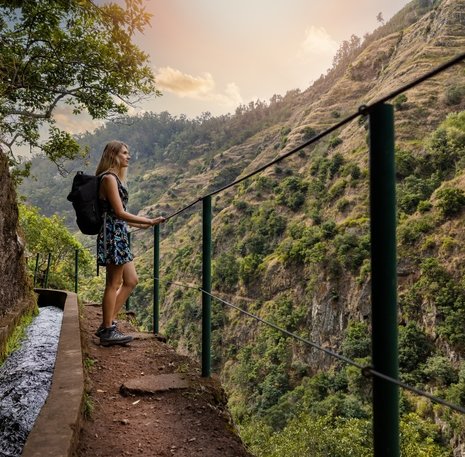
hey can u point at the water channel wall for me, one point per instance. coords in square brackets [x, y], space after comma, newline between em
[57, 427]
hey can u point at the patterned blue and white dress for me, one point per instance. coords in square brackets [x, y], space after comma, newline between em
[113, 242]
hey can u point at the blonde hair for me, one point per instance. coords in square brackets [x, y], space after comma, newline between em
[109, 160]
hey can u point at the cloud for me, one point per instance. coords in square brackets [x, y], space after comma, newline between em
[196, 87]
[182, 84]
[80, 123]
[318, 43]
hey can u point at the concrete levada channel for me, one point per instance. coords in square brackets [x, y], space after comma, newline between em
[25, 380]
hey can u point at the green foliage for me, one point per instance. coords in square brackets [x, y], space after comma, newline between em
[49, 235]
[264, 365]
[414, 349]
[419, 438]
[456, 392]
[454, 95]
[14, 340]
[248, 267]
[352, 170]
[351, 250]
[437, 288]
[308, 133]
[72, 52]
[414, 190]
[291, 192]
[439, 371]
[261, 230]
[334, 142]
[315, 436]
[450, 201]
[412, 230]
[304, 244]
[421, 175]
[324, 168]
[225, 272]
[400, 102]
[405, 163]
[357, 341]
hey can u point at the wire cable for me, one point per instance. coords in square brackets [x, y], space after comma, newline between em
[367, 371]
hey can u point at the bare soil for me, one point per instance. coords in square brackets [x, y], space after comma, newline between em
[185, 422]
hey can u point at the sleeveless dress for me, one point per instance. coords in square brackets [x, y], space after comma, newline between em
[113, 241]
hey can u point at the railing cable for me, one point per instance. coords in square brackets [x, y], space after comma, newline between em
[367, 371]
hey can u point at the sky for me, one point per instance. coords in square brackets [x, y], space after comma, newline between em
[213, 55]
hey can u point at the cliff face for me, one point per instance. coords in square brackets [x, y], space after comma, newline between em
[15, 289]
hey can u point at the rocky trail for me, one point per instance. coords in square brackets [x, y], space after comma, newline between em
[144, 399]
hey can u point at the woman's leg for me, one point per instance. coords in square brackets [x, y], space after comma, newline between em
[130, 281]
[112, 286]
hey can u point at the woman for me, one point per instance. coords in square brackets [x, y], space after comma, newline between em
[113, 250]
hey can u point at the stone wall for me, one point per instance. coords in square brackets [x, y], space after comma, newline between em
[16, 296]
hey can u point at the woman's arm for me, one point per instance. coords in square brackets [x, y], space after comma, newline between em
[157, 220]
[109, 187]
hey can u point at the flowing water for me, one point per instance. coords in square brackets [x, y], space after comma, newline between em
[25, 380]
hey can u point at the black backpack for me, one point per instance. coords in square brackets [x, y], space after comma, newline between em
[84, 196]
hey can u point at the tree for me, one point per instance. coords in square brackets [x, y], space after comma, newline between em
[72, 53]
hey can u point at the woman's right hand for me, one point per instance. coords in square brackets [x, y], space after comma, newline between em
[158, 220]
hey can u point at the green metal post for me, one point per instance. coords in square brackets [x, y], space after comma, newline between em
[156, 281]
[76, 270]
[47, 271]
[206, 286]
[384, 281]
[128, 301]
[36, 269]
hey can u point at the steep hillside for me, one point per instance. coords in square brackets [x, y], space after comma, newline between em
[292, 244]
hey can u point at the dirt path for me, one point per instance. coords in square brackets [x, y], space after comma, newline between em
[130, 420]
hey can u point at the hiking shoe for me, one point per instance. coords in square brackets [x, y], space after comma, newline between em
[111, 336]
[102, 328]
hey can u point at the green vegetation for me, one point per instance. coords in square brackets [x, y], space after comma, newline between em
[14, 340]
[67, 51]
[46, 236]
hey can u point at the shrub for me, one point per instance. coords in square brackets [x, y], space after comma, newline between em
[225, 272]
[413, 229]
[248, 267]
[454, 95]
[439, 370]
[424, 206]
[450, 201]
[414, 347]
[308, 133]
[405, 163]
[334, 142]
[357, 342]
[291, 192]
[351, 250]
[415, 189]
[400, 102]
